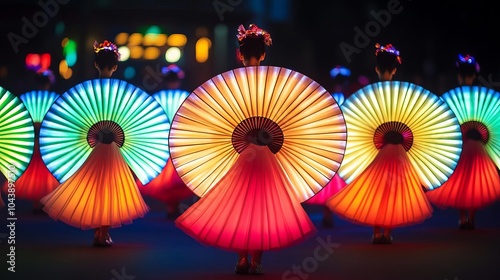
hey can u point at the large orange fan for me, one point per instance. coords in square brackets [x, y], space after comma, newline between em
[402, 139]
[92, 138]
[253, 143]
[475, 182]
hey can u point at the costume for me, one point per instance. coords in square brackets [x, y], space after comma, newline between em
[253, 143]
[475, 183]
[17, 138]
[92, 138]
[401, 139]
[36, 181]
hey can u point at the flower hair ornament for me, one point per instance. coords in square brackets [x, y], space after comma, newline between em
[468, 59]
[106, 45]
[173, 68]
[389, 48]
[254, 31]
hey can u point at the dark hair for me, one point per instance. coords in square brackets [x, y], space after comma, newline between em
[252, 46]
[387, 58]
[45, 79]
[106, 59]
[387, 62]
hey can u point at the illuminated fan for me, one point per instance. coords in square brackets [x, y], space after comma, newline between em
[168, 186]
[92, 138]
[36, 181]
[170, 100]
[475, 182]
[339, 97]
[16, 136]
[402, 138]
[253, 143]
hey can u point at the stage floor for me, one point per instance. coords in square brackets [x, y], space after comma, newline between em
[152, 248]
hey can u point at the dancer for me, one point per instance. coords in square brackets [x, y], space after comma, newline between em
[386, 164]
[92, 139]
[475, 184]
[245, 162]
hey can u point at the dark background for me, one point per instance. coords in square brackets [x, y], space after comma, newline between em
[306, 37]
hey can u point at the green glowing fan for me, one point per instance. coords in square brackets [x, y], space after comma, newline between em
[170, 100]
[478, 110]
[95, 108]
[38, 103]
[16, 135]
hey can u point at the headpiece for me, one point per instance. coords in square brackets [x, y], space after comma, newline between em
[106, 45]
[389, 48]
[254, 31]
[467, 59]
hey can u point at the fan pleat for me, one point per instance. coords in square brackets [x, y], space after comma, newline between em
[16, 135]
[431, 121]
[262, 215]
[143, 121]
[101, 192]
[304, 111]
[387, 193]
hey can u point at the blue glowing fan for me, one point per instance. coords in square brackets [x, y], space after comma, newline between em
[38, 103]
[478, 111]
[95, 108]
[339, 97]
[401, 113]
[170, 100]
[16, 135]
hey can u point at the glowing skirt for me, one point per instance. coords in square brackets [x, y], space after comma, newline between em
[36, 181]
[167, 187]
[333, 187]
[387, 193]
[474, 184]
[249, 208]
[102, 192]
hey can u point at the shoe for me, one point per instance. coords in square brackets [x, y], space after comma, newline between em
[255, 268]
[378, 239]
[102, 241]
[242, 266]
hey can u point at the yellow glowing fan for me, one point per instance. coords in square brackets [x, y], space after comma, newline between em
[294, 116]
[403, 113]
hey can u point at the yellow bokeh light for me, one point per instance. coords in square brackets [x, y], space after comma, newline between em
[151, 53]
[121, 38]
[136, 52]
[202, 49]
[67, 74]
[177, 40]
[63, 67]
[124, 53]
[151, 39]
[64, 42]
[135, 39]
[173, 55]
